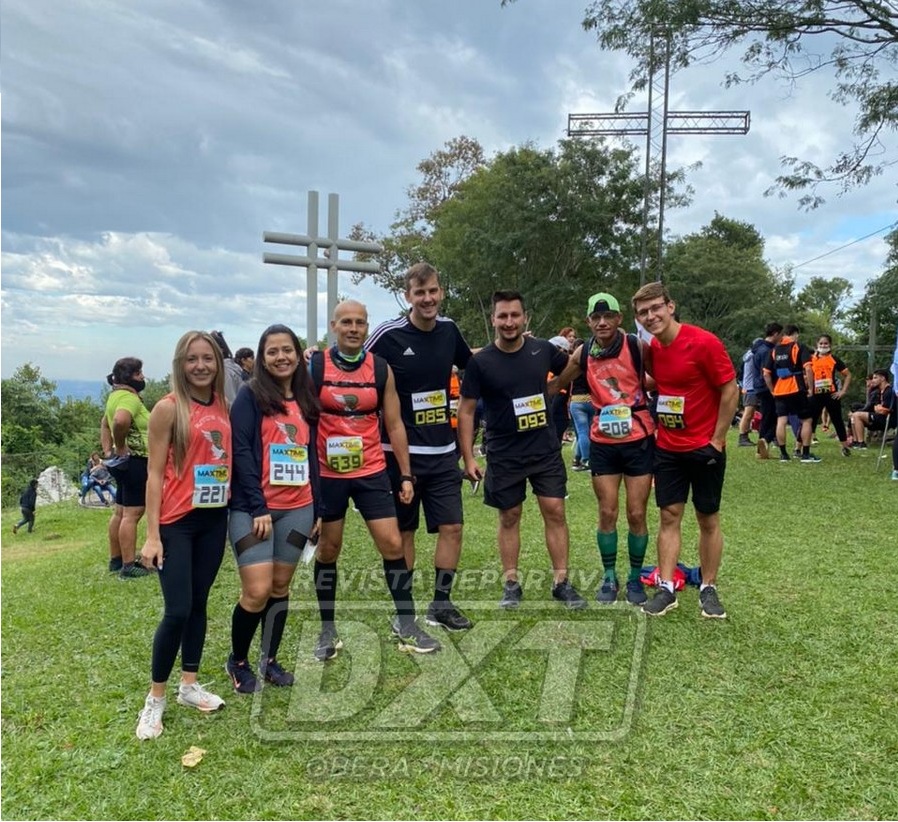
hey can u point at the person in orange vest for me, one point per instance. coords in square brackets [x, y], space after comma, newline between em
[827, 395]
[790, 378]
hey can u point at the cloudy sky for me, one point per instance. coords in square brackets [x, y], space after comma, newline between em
[147, 145]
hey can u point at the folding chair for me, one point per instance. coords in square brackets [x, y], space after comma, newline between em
[885, 432]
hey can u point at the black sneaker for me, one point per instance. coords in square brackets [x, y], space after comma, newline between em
[785, 458]
[846, 451]
[412, 640]
[636, 592]
[446, 615]
[661, 603]
[115, 565]
[711, 605]
[607, 593]
[328, 643]
[242, 676]
[512, 594]
[133, 571]
[745, 442]
[566, 593]
[810, 458]
[274, 674]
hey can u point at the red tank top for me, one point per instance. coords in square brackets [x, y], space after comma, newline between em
[205, 476]
[619, 399]
[285, 459]
[348, 428]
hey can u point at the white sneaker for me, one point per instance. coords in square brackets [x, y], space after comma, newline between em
[149, 720]
[895, 475]
[196, 696]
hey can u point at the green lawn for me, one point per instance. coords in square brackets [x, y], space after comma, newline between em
[785, 710]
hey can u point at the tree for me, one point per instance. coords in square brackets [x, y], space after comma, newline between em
[719, 280]
[556, 224]
[442, 174]
[823, 301]
[881, 297]
[780, 37]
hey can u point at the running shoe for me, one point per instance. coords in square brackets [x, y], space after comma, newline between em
[412, 640]
[846, 451]
[196, 696]
[512, 594]
[785, 458]
[661, 603]
[607, 593]
[272, 672]
[242, 676]
[149, 720]
[115, 565]
[566, 593]
[711, 605]
[446, 615]
[636, 592]
[810, 458]
[328, 643]
[133, 571]
[895, 475]
[745, 441]
[762, 449]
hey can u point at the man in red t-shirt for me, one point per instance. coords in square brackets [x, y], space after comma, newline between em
[697, 397]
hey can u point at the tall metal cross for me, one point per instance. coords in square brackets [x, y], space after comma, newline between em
[310, 261]
[656, 124]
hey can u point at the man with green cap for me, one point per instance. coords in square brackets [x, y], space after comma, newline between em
[622, 439]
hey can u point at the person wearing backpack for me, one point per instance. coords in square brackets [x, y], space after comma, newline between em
[749, 395]
[790, 377]
[357, 390]
[622, 443]
[760, 354]
[28, 504]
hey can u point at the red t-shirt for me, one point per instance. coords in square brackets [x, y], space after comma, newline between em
[689, 373]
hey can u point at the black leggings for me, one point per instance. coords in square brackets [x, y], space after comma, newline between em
[834, 406]
[193, 548]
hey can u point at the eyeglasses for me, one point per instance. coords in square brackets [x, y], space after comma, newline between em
[642, 313]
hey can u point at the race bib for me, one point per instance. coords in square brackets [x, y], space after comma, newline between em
[288, 464]
[530, 412]
[210, 486]
[344, 454]
[616, 421]
[429, 407]
[824, 386]
[670, 411]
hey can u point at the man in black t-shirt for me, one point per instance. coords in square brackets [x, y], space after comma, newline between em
[421, 348]
[510, 376]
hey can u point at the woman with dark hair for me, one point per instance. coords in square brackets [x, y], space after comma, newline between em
[272, 510]
[123, 435]
[187, 519]
[233, 373]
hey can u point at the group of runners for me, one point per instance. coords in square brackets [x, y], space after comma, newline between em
[370, 420]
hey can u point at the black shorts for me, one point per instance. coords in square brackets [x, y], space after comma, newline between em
[372, 495]
[131, 482]
[505, 485]
[438, 482]
[798, 404]
[877, 422]
[702, 470]
[635, 459]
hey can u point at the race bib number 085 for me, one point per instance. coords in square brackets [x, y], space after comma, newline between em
[429, 407]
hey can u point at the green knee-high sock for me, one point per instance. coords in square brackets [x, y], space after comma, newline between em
[607, 542]
[636, 547]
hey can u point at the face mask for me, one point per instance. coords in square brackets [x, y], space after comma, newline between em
[137, 385]
[823, 349]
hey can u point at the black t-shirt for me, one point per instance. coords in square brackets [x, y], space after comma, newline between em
[515, 404]
[422, 365]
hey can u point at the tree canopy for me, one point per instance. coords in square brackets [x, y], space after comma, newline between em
[783, 38]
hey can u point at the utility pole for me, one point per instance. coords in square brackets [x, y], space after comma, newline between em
[656, 123]
[332, 245]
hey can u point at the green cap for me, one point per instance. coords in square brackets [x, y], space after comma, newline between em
[602, 302]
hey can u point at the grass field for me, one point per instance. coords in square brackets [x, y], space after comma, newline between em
[785, 710]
